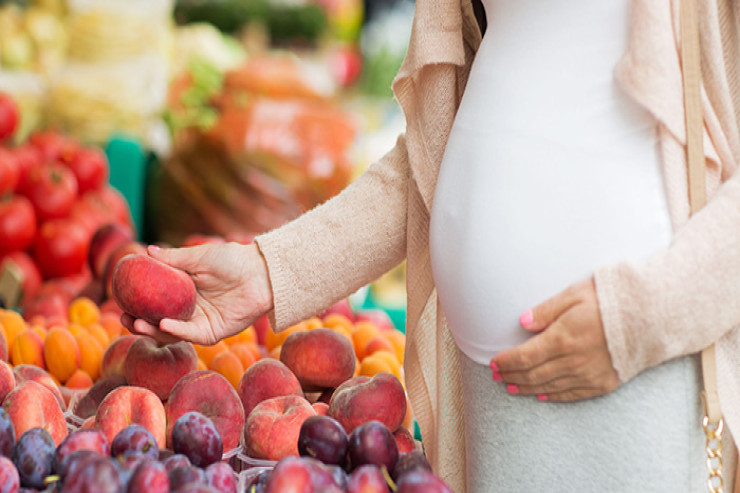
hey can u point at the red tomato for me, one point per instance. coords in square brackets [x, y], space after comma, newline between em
[61, 248]
[90, 167]
[27, 157]
[17, 224]
[52, 189]
[52, 145]
[9, 173]
[8, 116]
[88, 216]
[110, 201]
[30, 273]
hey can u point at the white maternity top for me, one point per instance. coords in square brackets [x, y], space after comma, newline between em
[550, 170]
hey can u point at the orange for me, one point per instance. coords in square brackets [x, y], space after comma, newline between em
[13, 324]
[246, 335]
[244, 354]
[334, 320]
[398, 340]
[228, 365]
[79, 380]
[98, 332]
[361, 335]
[112, 325]
[273, 340]
[28, 348]
[208, 353]
[83, 311]
[91, 354]
[61, 353]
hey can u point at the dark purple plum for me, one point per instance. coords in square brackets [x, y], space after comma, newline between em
[260, 482]
[220, 476]
[127, 463]
[135, 438]
[75, 461]
[10, 481]
[195, 488]
[182, 476]
[367, 478]
[195, 436]
[98, 475]
[33, 456]
[175, 461]
[421, 482]
[373, 443]
[7, 434]
[81, 440]
[323, 438]
[413, 461]
[151, 477]
[165, 454]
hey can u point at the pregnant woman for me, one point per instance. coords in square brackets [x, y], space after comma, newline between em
[528, 173]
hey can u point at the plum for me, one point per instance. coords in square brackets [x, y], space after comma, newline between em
[81, 440]
[421, 482]
[127, 463]
[182, 476]
[323, 438]
[74, 461]
[135, 438]
[175, 461]
[165, 454]
[195, 436]
[412, 461]
[367, 479]
[98, 475]
[221, 478]
[259, 482]
[33, 456]
[149, 476]
[373, 443]
[7, 434]
[10, 481]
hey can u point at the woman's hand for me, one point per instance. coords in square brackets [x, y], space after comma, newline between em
[568, 360]
[232, 286]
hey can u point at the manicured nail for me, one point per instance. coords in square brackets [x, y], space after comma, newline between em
[512, 388]
[497, 376]
[153, 248]
[526, 319]
[542, 397]
[493, 366]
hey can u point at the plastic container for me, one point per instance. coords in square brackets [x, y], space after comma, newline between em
[245, 477]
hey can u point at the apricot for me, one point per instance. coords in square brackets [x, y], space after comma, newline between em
[320, 358]
[152, 290]
[79, 380]
[61, 353]
[334, 320]
[83, 311]
[91, 355]
[98, 332]
[208, 353]
[398, 341]
[274, 339]
[229, 366]
[13, 324]
[246, 335]
[362, 333]
[111, 323]
[245, 355]
[28, 348]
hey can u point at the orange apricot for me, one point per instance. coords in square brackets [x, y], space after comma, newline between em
[245, 355]
[274, 339]
[83, 311]
[91, 354]
[112, 325]
[372, 365]
[228, 365]
[390, 358]
[408, 420]
[208, 353]
[274, 353]
[378, 343]
[40, 330]
[361, 335]
[338, 320]
[98, 332]
[76, 329]
[201, 365]
[13, 324]
[61, 353]
[246, 335]
[28, 348]
[398, 341]
[79, 380]
[313, 323]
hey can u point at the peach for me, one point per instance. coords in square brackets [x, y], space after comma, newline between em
[261, 327]
[152, 290]
[404, 440]
[3, 347]
[362, 399]
[7, 380]
[25, 373]
[120, 252]
[265, 379]
[105, 240]
[321, 408]
[114, 358]
[158, 367]
[88, 404]
[128, 405]
[273, 426]
[212, 395]
[48, 305]
[320, 358]
[31, 405]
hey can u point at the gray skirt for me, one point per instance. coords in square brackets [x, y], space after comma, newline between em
[646, 436]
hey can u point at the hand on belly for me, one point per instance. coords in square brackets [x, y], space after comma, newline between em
[568, 360]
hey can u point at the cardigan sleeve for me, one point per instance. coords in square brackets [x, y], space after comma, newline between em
[683, 298]
[338, 247]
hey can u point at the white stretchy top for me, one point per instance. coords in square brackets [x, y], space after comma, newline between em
[550, 170]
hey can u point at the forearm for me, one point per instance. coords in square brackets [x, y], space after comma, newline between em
[338, 247]
[683, 298]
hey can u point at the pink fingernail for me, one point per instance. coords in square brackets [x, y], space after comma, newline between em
[497, 376]
[493, 366]
[154, 248]
[542, 397]
[526, 319]
[512, 388]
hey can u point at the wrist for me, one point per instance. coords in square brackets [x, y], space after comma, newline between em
[261, 276]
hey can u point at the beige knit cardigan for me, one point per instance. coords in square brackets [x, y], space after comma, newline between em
[681, 300]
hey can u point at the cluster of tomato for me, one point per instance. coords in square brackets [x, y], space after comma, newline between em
[54, 195]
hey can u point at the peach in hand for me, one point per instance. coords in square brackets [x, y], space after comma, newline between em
[152, 290]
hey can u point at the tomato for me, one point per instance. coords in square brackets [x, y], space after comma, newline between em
[52, 189]
[89, 217]
[110, 201]
[61, 248]
[52, 145]
[29, 271]
[27, 157]
[17, 224]
[8, 116]
[90, 166]
[9, 173]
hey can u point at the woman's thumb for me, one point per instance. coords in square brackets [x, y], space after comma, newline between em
[181, 258]
[541, 316]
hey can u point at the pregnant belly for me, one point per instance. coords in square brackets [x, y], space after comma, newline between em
[515, 221]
